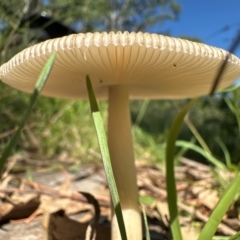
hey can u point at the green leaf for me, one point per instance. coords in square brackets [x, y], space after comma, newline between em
[146, 225]
[221, 208]
[230, 89]
[142, 111]
[233, 106]
[226, 153]
[91, 95]
[38, 87]
[235, 237]
[102, 139]
[171, 185]
[197, 135]
[208, 156]
[146, 200]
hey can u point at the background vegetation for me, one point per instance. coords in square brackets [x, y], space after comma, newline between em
[55, 125]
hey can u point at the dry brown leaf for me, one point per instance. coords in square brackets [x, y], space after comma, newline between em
[189, 232]
[199, 175]
[162, 208]
[57, 226]
[209, 198]
[24, 209]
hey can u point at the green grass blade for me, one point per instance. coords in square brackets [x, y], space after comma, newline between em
[171, 185]
[230, 89]
[225, 152]
[219, 237]
[182, 151]
[147, 200]
[102, 139]
[209, 157]
[91, 96]
[234, 109]
[38, 87]
[146, 225]
[142, 111]
[197, 135]
[235, 237]
[219, 178]
[221, 208]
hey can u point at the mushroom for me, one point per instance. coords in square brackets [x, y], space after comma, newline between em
[122, 66]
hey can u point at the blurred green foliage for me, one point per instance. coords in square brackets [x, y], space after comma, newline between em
[211, 116]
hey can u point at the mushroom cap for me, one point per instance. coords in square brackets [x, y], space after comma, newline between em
[152, 66]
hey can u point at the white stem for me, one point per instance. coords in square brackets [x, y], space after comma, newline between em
[122, 157]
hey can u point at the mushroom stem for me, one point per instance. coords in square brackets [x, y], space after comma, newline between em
[122, 158]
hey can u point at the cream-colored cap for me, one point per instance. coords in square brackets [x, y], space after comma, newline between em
[152, 66]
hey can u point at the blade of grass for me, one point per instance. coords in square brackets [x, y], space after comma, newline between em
[221, 238]
[102, 139]
[182, 151]
[197, 134]
[146, 200]
[209, 157]
[234, 108]
[232, 48]
[230, 89]
[219, 178]
[146, 224]
[225, 152]
[38, 87]
[171, 184]
[221, 208]
[235, 237]
[142, 111]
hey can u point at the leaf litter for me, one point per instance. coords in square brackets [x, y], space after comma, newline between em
[64, 205]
